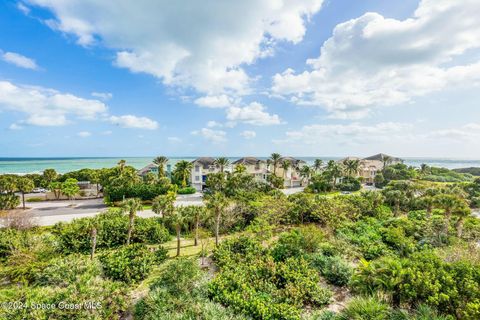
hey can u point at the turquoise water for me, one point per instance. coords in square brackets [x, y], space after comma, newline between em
[62, 165]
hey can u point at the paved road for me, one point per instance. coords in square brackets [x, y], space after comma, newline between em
[48, 213]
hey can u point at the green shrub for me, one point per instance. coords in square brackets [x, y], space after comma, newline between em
[63, 271]
[94, 298]
[111, 232]
[365, 234]
[236, 250]
[261, 287]
[139, 190]
[297, 242]
[129, 264]
[187, 190]
[150, 231]
[450, 287]
[349, 184]
[9, 201]
[365, 309]
[180, 293]
[335, 270]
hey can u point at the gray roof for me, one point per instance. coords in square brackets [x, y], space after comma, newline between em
[146, 169]
[247, 161]
[204, 161]
[381, 157]
[292, 160]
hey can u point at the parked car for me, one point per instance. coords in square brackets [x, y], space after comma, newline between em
[39, 190]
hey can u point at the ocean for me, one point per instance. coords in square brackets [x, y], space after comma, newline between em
[62, 165]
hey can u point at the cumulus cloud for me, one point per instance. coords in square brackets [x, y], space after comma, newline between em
[317, 134]
[19, 60]
[213, 124]
[47, 107]
[375, 61]
[216, 136]
[131, 121]
[208, 53]
[254, 114]
[220, 101]
[248, 134]
[84, 134]
[102, 95]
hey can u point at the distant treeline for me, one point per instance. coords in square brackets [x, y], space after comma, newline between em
[474, 171]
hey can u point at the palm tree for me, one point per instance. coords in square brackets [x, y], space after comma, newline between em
[305, 173]
[317, 165]
[351, 166]
[461, 213]
[428, 202]
[24, 185]
[196, 214]
[216, 203]
[269, 163]
[447, 202]
[131, 205]
[275, 158]
[424, 168]
[121, 166]
[386, 161]
[221, 162]
[182, 171]
[240, 168]
[334, 171]
[395, 198]
[161, 161]
[179, 219]
[164, 204]
[285, 165]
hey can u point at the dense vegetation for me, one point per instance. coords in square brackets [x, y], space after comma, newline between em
[408, 251]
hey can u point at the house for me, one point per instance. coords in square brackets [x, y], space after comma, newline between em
[370, 166]
[256, 167]
[291, 175]
[151, 168]
[201, 168]
[385, 158]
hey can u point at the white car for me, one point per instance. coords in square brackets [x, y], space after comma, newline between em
[39, 190]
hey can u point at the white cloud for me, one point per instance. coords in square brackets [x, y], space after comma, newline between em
[174, 139]
[213, 124]
[84, 134]
[23, 8]
[107, 132]
[102, 95]
[15, 126]
[357, 133]
[19, 60]
[220, 101]
[216, 136]
[254, 114]
[375, 61]
[466, 133]
[131, 121]
[248, 134]
[201, 44]
[47, 107]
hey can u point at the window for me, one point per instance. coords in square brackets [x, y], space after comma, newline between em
[197, 178]
[197, 168]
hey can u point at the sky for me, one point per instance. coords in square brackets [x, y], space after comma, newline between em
[237, 78]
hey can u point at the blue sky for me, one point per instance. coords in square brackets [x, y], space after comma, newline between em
[306, 78]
